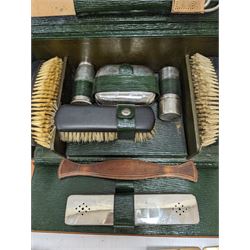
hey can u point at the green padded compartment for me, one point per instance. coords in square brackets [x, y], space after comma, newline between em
[49, 196]
[173, 139]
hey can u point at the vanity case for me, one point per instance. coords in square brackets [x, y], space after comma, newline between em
[132, 33]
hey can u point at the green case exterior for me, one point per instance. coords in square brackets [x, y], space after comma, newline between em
[181, 34]
[85, 7]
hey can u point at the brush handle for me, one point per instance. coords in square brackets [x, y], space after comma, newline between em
[128, 169]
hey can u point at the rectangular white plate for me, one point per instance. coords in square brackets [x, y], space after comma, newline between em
[166, 209]
[89, 210]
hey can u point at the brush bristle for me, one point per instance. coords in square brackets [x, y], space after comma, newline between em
[80, 137]
[206, 91]
[44, 101]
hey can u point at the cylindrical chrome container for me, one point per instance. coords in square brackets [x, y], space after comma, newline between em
[83, 84]
[170, 102]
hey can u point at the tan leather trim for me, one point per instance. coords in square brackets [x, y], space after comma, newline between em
[41, 8]
[188, 6]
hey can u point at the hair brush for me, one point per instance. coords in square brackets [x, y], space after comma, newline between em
[45, 92]
[104, 123]
[206, 92]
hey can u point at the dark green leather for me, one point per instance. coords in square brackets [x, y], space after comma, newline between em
[170, 86]
[126, 124]
[49, 196]
[83, 87]
[72, 27]
[126, 83]
[124, 201]
[123, 6]
[165, 39]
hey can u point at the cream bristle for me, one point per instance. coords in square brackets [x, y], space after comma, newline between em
[206, 91]
[80, 137]
[43, 102]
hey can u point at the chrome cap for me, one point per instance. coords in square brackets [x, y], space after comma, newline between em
[170, 107]
[85, 71]
[169, 72]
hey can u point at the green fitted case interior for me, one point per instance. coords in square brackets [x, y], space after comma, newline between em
[151, 40]
[173, 139]
[49, 196]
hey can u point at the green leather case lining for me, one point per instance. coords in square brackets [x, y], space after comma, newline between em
[130, 25]
[166, 39]
[49, 195]
[207, 158]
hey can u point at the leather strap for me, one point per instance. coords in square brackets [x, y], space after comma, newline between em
[112, 83]
[124, 206]
[128, 169]
[126, 123]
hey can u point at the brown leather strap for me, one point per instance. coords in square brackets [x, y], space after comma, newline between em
[128, 170]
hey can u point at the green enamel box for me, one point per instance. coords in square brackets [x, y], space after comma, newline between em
[110, 33]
